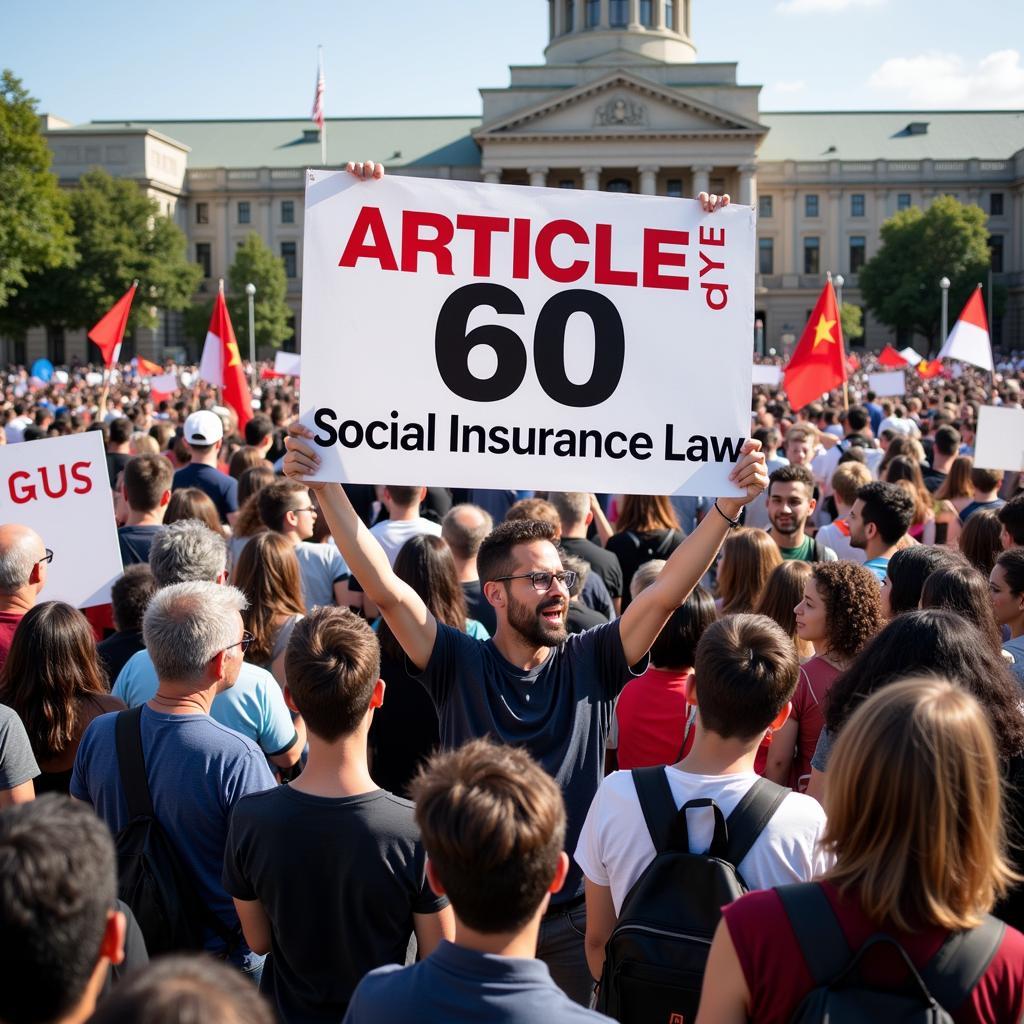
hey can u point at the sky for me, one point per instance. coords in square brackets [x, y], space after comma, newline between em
[111, 59]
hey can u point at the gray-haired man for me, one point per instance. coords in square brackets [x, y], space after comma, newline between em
[197, 769]
[23, 561]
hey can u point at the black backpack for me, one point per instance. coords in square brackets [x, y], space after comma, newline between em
[655, 957]
[840, 995]
[151, 878]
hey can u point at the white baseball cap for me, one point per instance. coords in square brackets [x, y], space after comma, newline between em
[203, 428]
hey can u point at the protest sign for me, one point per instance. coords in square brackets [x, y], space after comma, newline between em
[287, 363]
[60, 488]
[765, 374]
[889, 384]
[999, 439]
[497, 336]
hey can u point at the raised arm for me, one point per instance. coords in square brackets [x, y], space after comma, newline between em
[642, 621]
[403, 609]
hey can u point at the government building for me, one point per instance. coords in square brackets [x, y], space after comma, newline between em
[621, 103]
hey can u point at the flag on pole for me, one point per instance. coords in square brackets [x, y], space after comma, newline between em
[144, 368]
[818, 363]
[969, 340]
[221, 364]
[109, 331]
[318, 97]
[891, 358]
[929, 369]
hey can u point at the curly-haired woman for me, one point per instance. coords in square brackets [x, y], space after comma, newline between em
[840, 611]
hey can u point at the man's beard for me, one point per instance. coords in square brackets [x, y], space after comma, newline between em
[530, 624]
[794, 526]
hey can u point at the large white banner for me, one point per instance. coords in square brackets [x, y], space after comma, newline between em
[999, 440]
[60, 488]
[888, 384]
[475, 335]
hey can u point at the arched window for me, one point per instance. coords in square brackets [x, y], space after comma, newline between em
[619, 185]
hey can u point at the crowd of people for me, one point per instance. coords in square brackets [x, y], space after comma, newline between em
[369, 753]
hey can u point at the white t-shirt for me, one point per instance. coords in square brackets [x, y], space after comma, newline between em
[615, 846]
[320, 567]
[393, 533]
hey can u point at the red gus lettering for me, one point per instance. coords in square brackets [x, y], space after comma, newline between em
[54, 482]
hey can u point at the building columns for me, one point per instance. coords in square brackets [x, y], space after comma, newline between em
[591, 178]
[701, 178]
[648, 180]
[492, 175]
[604, 21]
[748, 185]
[538, 176]
[634, 16]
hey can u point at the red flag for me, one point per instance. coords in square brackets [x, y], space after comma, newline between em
[852, 363]
[222, 364]
[891, 358]
[932, 369]
[819, 362]
[317, 114]
[109, 332]
[145, 368]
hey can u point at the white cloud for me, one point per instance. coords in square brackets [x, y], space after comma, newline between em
[823, 6]
[946, 80]
[788, 87]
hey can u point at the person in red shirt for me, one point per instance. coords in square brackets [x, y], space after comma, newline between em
[916, 821]
[840, 612]
[23, 562]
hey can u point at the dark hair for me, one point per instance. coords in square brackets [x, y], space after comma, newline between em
[745, 671]
[268, 574]
[947, 440]
[1011, 515]
[244, 458]
[889, 507]
[58, 882]
[130, 595]
[427, 565]
[120, 430]
[275, 501]
[964, 590]
[792, 475]
[857, 418]
[495, 559]
[146, 478]
[675, 646]
[1012, 564]
[402, 495]
[853, 607]
[909, 568]
[184, 989]
[783, 591]
[332, 664]
[51, 667]
[933, 642]
[258, 429]
[493, 825]
[981, 539]
[192, 503]
[986, 479]
[644, 513]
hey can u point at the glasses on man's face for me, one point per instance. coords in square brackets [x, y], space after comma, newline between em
[542, 580]
[247, 638]
[306, 508]
[47, 558]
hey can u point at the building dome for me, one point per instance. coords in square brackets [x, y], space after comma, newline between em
[620, 32]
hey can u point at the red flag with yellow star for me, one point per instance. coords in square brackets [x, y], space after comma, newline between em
[221, 364]
[819, 362]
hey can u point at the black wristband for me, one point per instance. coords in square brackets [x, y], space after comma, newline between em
[733, 523]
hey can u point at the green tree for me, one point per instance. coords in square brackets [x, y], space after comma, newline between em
[851, 319]
[120, 235]
[35, 228]
[900, 283]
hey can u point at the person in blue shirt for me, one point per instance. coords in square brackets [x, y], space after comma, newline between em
[878, 521]
[204, 435]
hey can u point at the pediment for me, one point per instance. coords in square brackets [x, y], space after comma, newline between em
[619, 104]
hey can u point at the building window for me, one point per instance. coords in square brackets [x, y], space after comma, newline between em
[670, 15]
[618, 13]
[244, 212]
[674, 188]
[288, 254]
[766, 256]
[858, 253]
[202, 213]
[570, 14]
[857, 204]
[811, 206]
[812, 255]
[647, 13]
[593, 13]
[995, 204]
[619, 185]
[287, 211]
[903, 201]
[995, 251]
[203, 257]
[566, 183]
[764, 206]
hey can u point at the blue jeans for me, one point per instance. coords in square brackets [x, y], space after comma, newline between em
[560, 946]
[250, 964]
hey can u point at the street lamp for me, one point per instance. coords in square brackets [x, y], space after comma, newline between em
[839, 281]
[250, 291]
[944, 285]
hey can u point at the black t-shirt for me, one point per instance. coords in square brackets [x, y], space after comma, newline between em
[478, 607]
[933, 479]
[116, 461]
[559, 711]
[604, 563]
[219, 487]
[339, 880]
[115, 651]
[135, 542]
[580, 618]
[633, 549]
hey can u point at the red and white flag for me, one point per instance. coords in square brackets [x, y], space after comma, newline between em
[317, 114]
[221, 364]
[969, 340]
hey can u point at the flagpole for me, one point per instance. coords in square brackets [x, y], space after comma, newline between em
[323, 130]
[991, 348]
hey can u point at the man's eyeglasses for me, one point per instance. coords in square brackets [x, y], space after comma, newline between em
[48, 557]
[247, 638]
[542, 580]
[306, 508]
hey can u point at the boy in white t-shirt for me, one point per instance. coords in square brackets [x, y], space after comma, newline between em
[745, 673]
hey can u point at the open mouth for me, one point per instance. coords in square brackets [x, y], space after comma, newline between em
[553, 613]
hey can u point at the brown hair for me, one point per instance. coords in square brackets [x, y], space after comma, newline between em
[192, 503]
[495, 559]
[277, 500]
[51, 667]
[849, 478]
[964, 590]
[958, 480]
[981, 539]
[332, 663]
[853, 606]
[493, 825]
[915, 814]
[268, 574]
[906, 473]
[745, 671]
[644, 513]
[245, 458]
[748, 557]
[783, 592]
[250, 483]
[146, 478]
[535, 508]
[986, 479]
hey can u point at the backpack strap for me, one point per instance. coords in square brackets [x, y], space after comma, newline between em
[657, 803]
[961, 961]
[822, 942]
[131, 764]
[750, 816]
